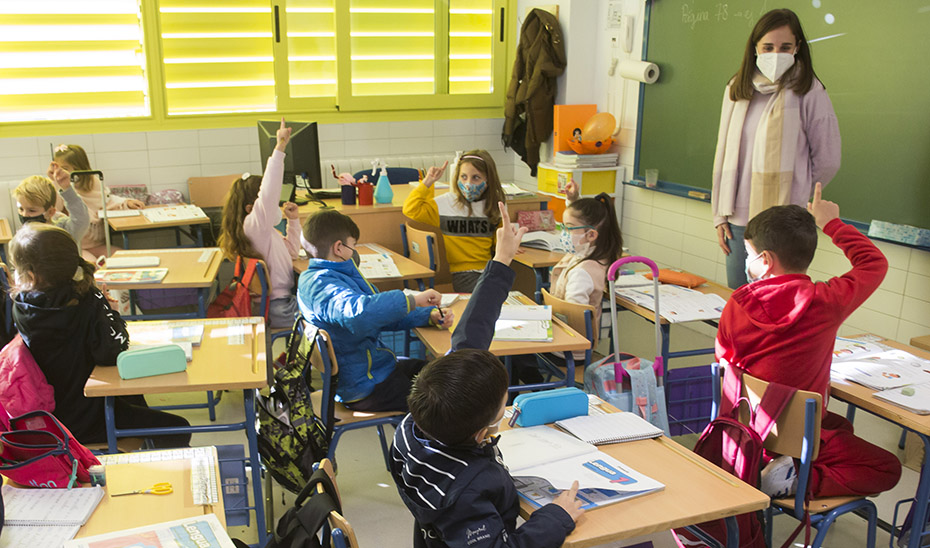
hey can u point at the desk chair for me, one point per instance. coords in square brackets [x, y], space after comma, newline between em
[579, 317]
[342, 533]
[337, 417]
[260, 288]
[797, 434]
[419, 246]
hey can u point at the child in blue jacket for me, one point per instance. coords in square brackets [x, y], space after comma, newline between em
[333, 295]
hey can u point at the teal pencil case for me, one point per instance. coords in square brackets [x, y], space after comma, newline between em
[536, 408]
[150, 361]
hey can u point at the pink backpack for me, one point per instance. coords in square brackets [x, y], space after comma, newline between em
[23, 387]
[737, 448]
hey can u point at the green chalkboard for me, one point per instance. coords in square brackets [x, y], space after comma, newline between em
[872, 56]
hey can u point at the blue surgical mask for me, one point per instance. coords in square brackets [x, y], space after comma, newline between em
[749, 261]
[473, 193]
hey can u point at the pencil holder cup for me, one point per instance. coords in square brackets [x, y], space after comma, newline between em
[366, 194]
[348, 195]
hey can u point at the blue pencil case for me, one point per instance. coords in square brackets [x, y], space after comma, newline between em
[150, 361]
[548, 406]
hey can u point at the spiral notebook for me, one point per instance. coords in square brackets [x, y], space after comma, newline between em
[610, 428]
[46, 517]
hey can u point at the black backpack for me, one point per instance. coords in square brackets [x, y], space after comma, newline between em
[301, 525]
[291, 436]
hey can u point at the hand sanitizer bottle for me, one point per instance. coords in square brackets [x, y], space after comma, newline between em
[383, 192]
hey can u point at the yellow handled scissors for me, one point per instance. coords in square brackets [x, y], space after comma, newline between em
[157, 489]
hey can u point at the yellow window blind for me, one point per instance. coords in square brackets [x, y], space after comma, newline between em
[311, 48]
[471, 46]
[65, 60]
[217, 56]
[392, 47]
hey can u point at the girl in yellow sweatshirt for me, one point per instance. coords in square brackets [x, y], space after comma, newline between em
[467, 215]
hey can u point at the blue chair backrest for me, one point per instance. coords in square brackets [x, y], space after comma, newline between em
[397, 175]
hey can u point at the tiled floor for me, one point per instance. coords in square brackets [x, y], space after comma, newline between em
[374, 509]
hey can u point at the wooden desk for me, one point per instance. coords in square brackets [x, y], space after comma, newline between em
[540, 261]
[380, 223]
[231, 356]
[695, 491]
[188, 268]
[137, 511]
[564, 339]
[922, 343]
[409, 269]
[125, 225]
[860, 396]
[6, 234]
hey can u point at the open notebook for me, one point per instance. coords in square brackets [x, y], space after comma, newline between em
[610, 428]
[46, 517]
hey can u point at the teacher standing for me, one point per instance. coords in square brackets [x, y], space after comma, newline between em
[778, 134]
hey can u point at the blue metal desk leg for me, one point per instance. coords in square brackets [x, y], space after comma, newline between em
[125, 240]
[202, 302]
[666, 329]
[110, 417]
[199, 235]
[540, 283]
[569, 369]
[256, 464]
[732, 532]
[922, 498]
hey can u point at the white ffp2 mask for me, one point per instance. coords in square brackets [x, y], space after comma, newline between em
[774, 65]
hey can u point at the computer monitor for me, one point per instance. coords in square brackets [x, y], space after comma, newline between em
[303, 150]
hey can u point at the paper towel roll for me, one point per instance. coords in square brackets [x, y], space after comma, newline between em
[641, 71]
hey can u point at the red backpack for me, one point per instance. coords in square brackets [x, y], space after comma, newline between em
[236, 301]
[737, 448]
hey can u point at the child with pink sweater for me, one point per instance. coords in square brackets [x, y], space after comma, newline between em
[249, 216]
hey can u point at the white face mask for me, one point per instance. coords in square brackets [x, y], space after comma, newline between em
[774, 65]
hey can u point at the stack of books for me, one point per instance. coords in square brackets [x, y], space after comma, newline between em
[573, 160]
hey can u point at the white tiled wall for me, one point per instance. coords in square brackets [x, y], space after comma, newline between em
[166, 159]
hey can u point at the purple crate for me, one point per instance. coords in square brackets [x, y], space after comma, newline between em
[154, 299]
[688, 391]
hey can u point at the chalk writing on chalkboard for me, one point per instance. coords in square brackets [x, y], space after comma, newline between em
[719, 12]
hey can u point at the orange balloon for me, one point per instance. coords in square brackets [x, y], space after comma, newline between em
[599, 127]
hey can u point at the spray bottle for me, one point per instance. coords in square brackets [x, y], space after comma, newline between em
[383, 192]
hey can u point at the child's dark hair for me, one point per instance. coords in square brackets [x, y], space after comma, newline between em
[788, 231]
[47, 257]
[75, 156]
[324, 228]
[457, 395]
[599, 213]
[483, 162]
[233, 240]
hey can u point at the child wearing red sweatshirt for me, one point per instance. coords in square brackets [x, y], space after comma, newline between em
[781, 328]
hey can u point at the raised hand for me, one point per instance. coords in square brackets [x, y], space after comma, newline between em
[290, 210]
[283, 135]
[434, 173]
[58, 174]
[571, 191]
[508, 237]
[823, 211]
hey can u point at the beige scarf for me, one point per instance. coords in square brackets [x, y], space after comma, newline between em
[773, 153]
